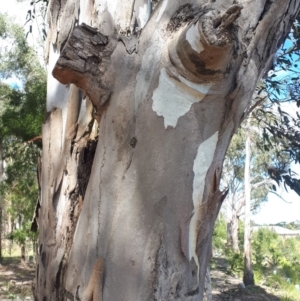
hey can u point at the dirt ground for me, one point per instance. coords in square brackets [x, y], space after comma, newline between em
[227, 287]
[15, 280]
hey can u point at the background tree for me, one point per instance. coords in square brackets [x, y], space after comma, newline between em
[165, 86]
[21, 116]
[234, 174]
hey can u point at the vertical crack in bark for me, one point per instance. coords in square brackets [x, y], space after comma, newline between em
[265, 10]
[83, 157]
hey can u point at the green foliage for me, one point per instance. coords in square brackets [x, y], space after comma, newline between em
[261, 159]
[23, 111]
[21, 115]
[264, 247]
[235, 260]
[276, 259]
[20, 189]
[22, 108]
[274, 252]
[16, 57]
[220, 233]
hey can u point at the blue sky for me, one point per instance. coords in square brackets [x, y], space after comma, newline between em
[276, 210]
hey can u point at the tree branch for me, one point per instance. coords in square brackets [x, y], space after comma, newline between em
[35, 139]
[203, 50]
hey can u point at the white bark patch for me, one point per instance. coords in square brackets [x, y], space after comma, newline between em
[202, 162]
[172, 98]
[123, 14]
[143, 15]
[57, 94]
[193, 37]
[162, 9]
[108, 5]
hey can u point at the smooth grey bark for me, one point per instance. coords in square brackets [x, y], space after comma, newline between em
[135, 138]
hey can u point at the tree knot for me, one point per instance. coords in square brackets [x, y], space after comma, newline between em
[217, 29]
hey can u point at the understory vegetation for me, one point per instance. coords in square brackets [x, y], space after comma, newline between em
[276, 259]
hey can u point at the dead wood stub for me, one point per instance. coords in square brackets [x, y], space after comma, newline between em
[217, 28]
[184, 15]
[217, 40]
[83, 62]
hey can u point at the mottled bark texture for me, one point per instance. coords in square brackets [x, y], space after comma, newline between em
[150, 96]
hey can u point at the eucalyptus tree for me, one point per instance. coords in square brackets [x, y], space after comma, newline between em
[22, 101]
[149, 94]
[233, 177]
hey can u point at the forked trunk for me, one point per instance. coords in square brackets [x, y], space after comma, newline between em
[132, 155]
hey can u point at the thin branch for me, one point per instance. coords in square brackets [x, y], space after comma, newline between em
[35, 139]
[272, 191]
[258, 103]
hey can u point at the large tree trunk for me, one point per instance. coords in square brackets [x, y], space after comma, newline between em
[132, 158]
[248, 272]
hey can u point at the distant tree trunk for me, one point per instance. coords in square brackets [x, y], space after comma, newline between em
[0, 234]
[1, 200]
[135, 137]
[233, 223]
[248, 272]
[229, 234]
[23, 254]
[235, 233]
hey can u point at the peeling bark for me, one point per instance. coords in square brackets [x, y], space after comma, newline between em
[132, 158]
